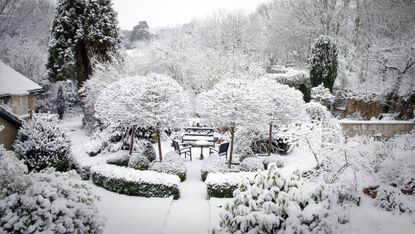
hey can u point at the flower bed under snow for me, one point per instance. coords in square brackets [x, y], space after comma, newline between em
[133, 182]
[223, 184]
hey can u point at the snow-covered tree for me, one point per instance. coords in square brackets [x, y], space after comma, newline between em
[67, 49]
[82, 30]
[60, 103]
[42, 142]
[231, 103]
[102, 32]
[323, 62]
[145, 101]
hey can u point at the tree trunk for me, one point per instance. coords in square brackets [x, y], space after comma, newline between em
[270, 139]
[231, 153]
[132, 139]
[85, 63]
[159, 144]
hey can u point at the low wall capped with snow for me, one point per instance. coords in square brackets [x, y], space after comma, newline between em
[384, 129]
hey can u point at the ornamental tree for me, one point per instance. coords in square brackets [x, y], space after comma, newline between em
[146, 101]
[232, 103]
[323, 62]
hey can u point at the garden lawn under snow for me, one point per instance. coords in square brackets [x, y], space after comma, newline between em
[194, 213]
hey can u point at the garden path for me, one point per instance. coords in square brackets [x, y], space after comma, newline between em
[191, 213]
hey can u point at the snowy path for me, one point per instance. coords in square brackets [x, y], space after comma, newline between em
[190, 214]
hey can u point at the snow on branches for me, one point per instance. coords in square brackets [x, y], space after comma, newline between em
[146, 101]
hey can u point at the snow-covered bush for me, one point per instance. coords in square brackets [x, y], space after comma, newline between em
[120, 158]
[138, 161]
[133, 182]
[322, 95]
[172, 164]
[246, 153]
[42, 142]
[46, 102]
[147, 150]
[46, 202]
[392, 199]
[213, 163]
[274, 204]
[224, 184]
[252, 164]
[273, 159]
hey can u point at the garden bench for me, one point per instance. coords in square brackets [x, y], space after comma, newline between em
[193, 134]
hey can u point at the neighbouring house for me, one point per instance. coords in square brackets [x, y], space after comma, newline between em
[9, 124]
[17, 101]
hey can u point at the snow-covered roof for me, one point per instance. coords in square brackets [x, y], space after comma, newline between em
[14, 83]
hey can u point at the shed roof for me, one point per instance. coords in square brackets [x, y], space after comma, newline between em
[9, 116]
[14, 83]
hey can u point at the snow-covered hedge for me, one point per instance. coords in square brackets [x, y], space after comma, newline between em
[47, 202]
[120, 158]
[246, 153]
[41, 142]
[274, 204]
[252, 164]
[138, 161]
[275, 159]
[213, 163]
[133, 182]
[224, 184]
[171, 164]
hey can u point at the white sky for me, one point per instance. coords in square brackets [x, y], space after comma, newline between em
[162, 13]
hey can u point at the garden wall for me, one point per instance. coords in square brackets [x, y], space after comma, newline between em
[384, 129]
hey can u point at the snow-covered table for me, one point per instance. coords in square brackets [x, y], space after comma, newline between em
[201, 144]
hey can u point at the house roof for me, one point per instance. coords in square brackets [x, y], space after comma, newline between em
[14, 83]
[9, 116]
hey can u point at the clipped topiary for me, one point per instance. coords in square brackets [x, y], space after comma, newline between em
[213, 163]
[139, 162]
[148, 151]
[172, 164]
[42, 142]
[246, 153]
[252, 164]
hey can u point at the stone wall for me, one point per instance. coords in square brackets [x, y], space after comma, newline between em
[384, 129]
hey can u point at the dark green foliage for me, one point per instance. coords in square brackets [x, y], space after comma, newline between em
[42, 142]
[221, 191]
[133, 188]
[60, 103]
[82, 32]
[122, 162]
[323, 62]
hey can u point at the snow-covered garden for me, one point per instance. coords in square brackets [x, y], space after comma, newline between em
[201, 128]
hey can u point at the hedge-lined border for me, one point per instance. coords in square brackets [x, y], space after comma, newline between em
[143, 188]
[222, 185]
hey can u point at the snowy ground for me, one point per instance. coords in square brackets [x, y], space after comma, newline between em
[193, 212]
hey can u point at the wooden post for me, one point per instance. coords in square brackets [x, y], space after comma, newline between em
[231, 153]
[159, 144]
[270, 139]
[132, 139]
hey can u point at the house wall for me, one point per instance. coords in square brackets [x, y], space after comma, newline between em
[8, 134]
[377, 128]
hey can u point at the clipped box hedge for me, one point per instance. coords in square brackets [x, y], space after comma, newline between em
[133, 182]
[222, 185]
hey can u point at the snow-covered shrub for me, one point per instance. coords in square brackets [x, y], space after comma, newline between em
[246, 153]
[213, 163]
[138, 161]
[171, 164]
[322, 95]
[42, 142]
[147, 150]
[46, 102]
[133, 182]
[252, 164]
[224, 184]
[392, 199]
[274, 204]
[120, 158]
[273, 159]
[46, 202]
